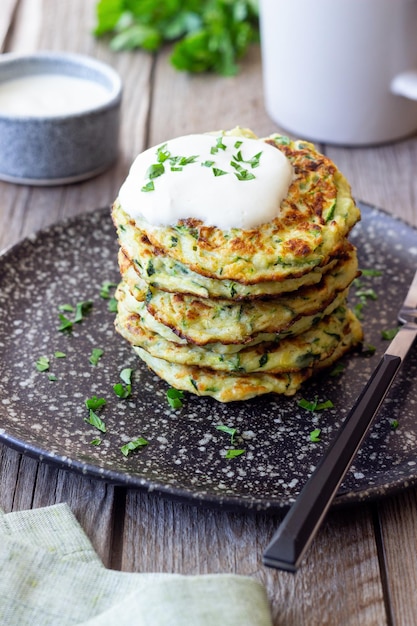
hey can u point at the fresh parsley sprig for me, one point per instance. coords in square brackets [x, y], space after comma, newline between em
[210, 35]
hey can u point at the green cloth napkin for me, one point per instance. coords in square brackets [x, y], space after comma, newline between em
[50, 575]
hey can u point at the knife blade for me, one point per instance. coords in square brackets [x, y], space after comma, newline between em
[300, 525]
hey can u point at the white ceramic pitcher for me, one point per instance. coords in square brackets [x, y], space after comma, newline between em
[341, 71]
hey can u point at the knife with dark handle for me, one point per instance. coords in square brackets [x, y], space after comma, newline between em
[300, 525]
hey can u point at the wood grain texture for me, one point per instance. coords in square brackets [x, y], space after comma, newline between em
[341, 566]
[398, 520]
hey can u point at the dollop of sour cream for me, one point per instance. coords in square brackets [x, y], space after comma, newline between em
[224, 181]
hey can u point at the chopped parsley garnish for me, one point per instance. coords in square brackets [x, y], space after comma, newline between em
[155, 170]
[148, 186]
[52, 377]
[389, 333]
[232, 454]
[96, 441]
[59, 355]
[315, 435]
[315, 405]
[218, 172]
[106, 289]
[371, 272]
[394, 424]
[81, 310]
[357, 309]
[369, 350]
[175, 398]
[140, 442]
[242, 173]
[42, 364]
[228, 431]
[112, 305]
[124, 391]
[366, 294]
[95, 403]
[96, 421]
[219, 146]
[95, 356]
[338, 369]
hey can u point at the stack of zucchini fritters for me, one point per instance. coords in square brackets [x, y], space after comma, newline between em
[239, 313]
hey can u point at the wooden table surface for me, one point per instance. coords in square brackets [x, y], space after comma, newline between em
[362, 567]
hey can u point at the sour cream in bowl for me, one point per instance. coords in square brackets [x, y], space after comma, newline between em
[59, 117]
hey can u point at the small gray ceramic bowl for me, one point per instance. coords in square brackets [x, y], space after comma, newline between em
[52, 149]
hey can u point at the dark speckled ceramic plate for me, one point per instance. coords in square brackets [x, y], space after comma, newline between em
[185, 456]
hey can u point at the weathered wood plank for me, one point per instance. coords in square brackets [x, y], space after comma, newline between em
[184, 103]
[398, 517]
[340, 572]
[25, 483]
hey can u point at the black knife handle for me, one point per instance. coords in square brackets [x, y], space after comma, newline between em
[302, 521]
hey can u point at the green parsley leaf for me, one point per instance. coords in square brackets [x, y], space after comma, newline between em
[244, 175]
[52, 377]
[140, 442]
[126, 375]
[219, 146]
[155, 170]
[149, 186]
[232, 454]
[112, 305]
[228, 431]
[371, 272]
[95, 421]
[367, 294]
[315, 405]
[95, 403]
[59, 355]
[315, 435]
[122, 391]
[162, 154]
[394, 424]
[357, 309]
[175, 398]
[96, 441]
[95, 356]
[82, 309]
[42, 364]
[338, 369]
[389, 333]
[369, 350]
[66, 324]
[218, 172]
[106, 289]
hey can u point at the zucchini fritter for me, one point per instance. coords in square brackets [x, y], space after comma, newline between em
[238, 313]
